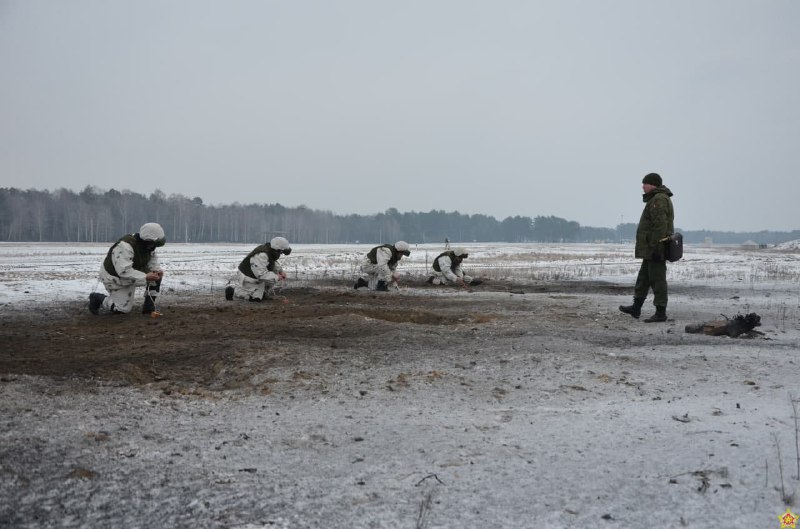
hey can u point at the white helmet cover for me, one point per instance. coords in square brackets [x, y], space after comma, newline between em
[279, 243]
[401, 246]
[152, 232]
[460, 251]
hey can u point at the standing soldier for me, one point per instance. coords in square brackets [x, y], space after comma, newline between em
[259, 271]
[131, 262]
[380, 264]
[655, 225]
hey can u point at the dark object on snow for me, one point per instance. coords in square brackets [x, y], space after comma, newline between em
[682, 418]
[732, 327]
[673, 247]
[229, 293]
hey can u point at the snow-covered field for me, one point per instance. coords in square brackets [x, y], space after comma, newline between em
[47, 272]
[524, 407]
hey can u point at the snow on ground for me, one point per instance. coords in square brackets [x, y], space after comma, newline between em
[31, 273]
[637, 426]
[789, 246]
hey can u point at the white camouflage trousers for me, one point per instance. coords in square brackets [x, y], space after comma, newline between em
[377, 272]
[120, 292]
[247, 287]
[440, 278]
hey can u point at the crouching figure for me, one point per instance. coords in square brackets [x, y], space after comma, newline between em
[259, 271]
[131, 262]
[447, 269]
[379, 267]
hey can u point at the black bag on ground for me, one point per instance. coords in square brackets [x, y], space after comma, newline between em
[673, 247]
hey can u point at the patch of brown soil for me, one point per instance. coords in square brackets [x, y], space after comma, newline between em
[204, 343]
[201, 341]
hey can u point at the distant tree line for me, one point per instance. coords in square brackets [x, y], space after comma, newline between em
[95, 215]
[627, 231]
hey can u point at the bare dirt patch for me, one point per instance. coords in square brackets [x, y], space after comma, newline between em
[197, 335]
[509, 405]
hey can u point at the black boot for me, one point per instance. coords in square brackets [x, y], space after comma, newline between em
[229, 293]
[95, 302]
[360, 283]
[659, 316]
[634, 310]
[382, 286]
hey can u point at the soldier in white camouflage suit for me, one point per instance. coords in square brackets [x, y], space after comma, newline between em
[259, 271]
[131, 262]
[379, 267]
[447, 268]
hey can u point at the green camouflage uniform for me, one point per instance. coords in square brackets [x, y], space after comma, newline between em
[655, 224]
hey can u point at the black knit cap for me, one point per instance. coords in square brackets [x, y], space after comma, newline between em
[654, 179]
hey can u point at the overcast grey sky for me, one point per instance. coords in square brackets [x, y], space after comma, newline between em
[496, 107]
